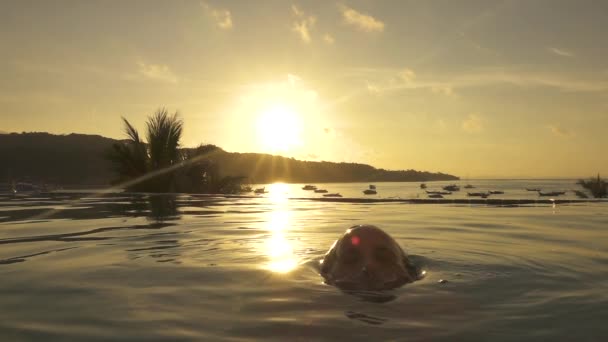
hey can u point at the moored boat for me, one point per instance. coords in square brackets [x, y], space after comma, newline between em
[332, 195]
[438, 192]
[452, 187]
[551, 193]
[478, 194]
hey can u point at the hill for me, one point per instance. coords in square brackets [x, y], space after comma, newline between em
[78, 160]
[73, 159]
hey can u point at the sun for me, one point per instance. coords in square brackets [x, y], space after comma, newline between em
[279, 128]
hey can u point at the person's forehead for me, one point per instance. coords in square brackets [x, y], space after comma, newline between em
[367, 237]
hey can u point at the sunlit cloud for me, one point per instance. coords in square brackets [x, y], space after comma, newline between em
[303, 24]
[297, 11]
[407, 75]
[473, 124]
[384, 80]
[373, 88]
[443, 89]
[361, 21]
[560, 132]
[391, 80]
[329, 39]
[158, 72]
[293, 79]
[561, 52]
[222, 17]
[533, 79]
[476, 45]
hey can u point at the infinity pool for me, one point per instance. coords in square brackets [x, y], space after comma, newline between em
[191, 268]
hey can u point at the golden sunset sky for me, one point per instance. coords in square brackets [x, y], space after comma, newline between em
[472, 88]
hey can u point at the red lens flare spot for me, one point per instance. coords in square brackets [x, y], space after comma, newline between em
[355, 240]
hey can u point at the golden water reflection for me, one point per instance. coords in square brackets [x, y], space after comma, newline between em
[278, 192]
[278, 248]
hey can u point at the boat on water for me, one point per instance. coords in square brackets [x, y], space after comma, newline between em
[551, 193]
[370, 192]
[478, 194]
[372, 187]
[320, 191]
[26, 188]
[260, 191]
[496, 192]
[469, 186]
[422, 186]
[246, 189]
[438, 192]
[332, 195]
[309, 187]
[532, 189]
[435, 196]
[452, 187]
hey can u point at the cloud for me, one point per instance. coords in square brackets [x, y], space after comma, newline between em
[443, 89]
[361, 21]
[561, 52]
[373, 88]
[296, 11]
[158, 72]
[223, 17]
[293, 79]
[392, 80]
[327, 38]
[560, 132]
[407, 75]
[449, 83]
[303, 24]
[473, 124]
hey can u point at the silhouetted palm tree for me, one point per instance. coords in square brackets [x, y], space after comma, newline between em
[133, 158]
[160, 165]
[164, 132]
[130, 157]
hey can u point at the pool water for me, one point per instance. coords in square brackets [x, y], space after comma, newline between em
[191, 268]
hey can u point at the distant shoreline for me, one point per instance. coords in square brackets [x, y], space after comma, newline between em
[80, 160]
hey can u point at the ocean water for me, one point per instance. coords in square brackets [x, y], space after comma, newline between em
[122, 267]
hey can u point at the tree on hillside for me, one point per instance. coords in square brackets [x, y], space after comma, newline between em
[597, 186]
[159, 165]
[148, 166]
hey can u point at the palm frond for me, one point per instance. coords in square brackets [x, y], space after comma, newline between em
[164, 132]
[131, 131]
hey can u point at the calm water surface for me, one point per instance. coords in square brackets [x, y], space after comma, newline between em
[188, 268]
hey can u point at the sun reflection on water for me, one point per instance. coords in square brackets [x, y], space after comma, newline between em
[278, 192]
[278, 248]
